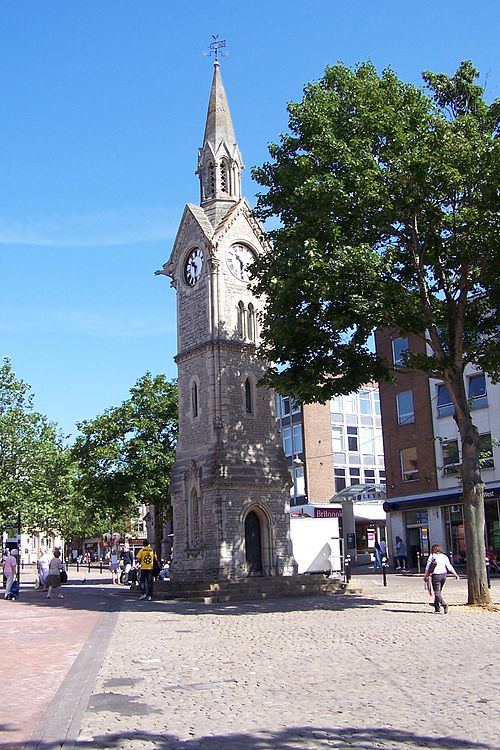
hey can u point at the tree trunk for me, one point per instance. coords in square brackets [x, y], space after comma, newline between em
[473, 507]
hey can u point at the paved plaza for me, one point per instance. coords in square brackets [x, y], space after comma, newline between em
[376, 670]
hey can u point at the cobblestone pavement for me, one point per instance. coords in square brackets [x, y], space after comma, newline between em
[379, 670]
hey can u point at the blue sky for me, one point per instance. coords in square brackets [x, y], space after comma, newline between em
[102, 110]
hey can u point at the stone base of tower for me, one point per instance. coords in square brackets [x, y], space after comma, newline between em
[236, 536]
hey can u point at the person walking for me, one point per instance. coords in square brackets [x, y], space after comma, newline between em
[114, 565]
[400, 554]
[128, 561]
[43, 566]
[54, 576]
[378, 556]
[146, 558]
[437, 568]
[10, 572]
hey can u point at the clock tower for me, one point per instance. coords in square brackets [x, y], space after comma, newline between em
[230, 483]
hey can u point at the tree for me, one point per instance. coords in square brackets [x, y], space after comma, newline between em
[125, 455]
[388, 200]
[33, 459]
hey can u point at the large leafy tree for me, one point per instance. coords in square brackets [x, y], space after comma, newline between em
[125, 455]
[387, 198]
[34, 462]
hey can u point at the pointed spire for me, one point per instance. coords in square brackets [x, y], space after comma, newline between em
[219, 159]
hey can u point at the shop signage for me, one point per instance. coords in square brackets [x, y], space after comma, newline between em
[328, 513]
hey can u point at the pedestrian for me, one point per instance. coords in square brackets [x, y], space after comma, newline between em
[400, 554]
[54, 576]
[383, 548]
[42, 565]
[114, 565]
[10, 571]
[146, 558]
[128, 561]
[437, 568]
[165, 571]
[378, 556]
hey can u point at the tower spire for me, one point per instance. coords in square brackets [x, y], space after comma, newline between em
[219, 159]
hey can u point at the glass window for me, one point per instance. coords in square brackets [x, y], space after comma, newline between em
[240, 312]
[251, 322]
[367, 445]
[337, 439]
[379, 443]
[297, 438]
[404, 404]
[285, 406]
[365, 405]
[477, 391]
[409, 464]
[451, 458]
[444, 403]
[295, 406]
[354, 475]
[336, 404]
[350, 403]
[485, 448]
[286, 436]
[339, 476]
[352, 438]
[399, 349]
[376, 402]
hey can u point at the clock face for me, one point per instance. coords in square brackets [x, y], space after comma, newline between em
[193, 266]
[239, 259]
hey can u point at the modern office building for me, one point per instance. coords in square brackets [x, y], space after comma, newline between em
[333, 446]
[422, 454]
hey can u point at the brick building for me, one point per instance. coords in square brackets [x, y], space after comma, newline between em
[422, 454]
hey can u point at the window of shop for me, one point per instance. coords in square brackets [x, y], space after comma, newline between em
[492, 517]
[455, 533]
[409, 464]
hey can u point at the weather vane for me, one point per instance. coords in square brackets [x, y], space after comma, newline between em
[215, 46]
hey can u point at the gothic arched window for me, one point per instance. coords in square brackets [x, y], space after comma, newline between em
[194, 399]
[240, 320]
[251, 322]
[248, 397]
[224, 176]
[211, 178]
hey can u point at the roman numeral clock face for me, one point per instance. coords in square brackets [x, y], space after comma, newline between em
[193, 266]
[239, 259]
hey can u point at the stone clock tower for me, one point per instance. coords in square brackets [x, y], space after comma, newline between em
[230, 483]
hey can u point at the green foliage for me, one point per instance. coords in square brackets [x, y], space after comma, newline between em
[387, 197]
[124, 456]
[33, 460]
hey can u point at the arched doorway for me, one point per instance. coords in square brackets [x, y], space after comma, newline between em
[253, 544]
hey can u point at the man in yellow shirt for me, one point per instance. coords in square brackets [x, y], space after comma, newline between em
[146, 558]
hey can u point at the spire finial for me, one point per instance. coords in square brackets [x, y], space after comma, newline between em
[215, 46]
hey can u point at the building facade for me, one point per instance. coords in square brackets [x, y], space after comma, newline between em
[230, 481]
[422, 454]
[334, 446]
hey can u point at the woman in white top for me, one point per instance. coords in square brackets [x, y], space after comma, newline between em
[54, 577]
[437, 568]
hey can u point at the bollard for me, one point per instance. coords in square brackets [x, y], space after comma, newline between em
[347, 568]
[488, 578]
[385, 565]
[89, 566]
[418, 562]
[77, 565]
[100, 567]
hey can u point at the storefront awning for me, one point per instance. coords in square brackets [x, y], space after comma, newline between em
[440, 497]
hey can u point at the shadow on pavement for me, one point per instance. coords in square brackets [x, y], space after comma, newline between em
[310, 738]
[113, 599]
